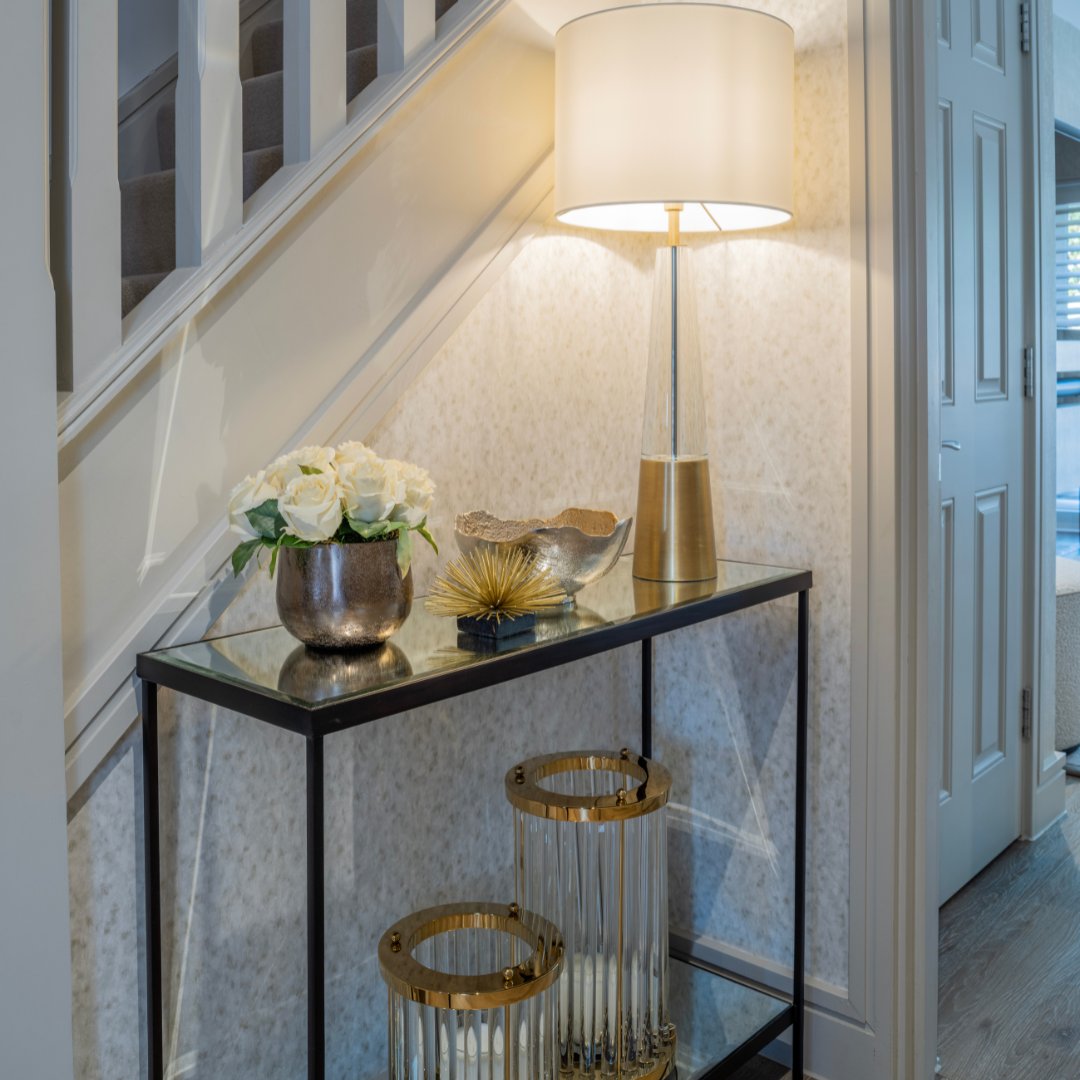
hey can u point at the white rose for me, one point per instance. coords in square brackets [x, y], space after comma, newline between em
[351, 453]
[370, 490]
[311, 507]
[415, 502]
[282, 471]
[252, 491]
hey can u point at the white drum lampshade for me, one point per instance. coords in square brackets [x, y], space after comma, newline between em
[674, 103]
[674, 117]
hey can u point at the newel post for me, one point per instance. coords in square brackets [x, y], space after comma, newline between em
[405, 27]
[209, 128]
[314, 86]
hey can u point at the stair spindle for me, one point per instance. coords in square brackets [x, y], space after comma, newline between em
[86, 189]
[405, 27]
[209, 128]
[314, 78]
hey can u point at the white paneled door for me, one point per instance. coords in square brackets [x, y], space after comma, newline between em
[984, 144]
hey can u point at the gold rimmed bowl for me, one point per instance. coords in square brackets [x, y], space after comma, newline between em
[577, 546]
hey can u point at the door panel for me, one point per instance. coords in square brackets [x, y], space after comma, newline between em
[991, 639]
[982, 120]
[988, 33]
[991, 280]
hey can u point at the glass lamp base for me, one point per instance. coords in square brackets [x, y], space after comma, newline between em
[675, 539]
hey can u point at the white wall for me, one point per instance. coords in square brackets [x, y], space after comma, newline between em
[147, 38]
[35, 967]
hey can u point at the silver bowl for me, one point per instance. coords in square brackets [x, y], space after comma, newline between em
[578, 546]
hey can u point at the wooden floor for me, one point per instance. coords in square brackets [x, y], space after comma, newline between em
[1009, 998]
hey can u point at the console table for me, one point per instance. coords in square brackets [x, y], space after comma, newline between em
[316, 695]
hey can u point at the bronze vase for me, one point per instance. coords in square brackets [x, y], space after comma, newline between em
[342, 596]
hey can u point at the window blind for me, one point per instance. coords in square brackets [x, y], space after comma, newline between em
[1067, 261]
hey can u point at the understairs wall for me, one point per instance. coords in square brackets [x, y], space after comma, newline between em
[532, 405]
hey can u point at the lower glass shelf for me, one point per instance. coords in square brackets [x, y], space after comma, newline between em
[719, 1022]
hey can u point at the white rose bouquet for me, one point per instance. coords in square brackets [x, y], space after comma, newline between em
[330, 495]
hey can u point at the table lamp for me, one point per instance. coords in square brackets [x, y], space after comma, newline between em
[674, 117]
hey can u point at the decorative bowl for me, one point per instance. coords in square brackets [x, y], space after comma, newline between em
[577, 547]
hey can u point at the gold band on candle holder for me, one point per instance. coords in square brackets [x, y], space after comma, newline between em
[405, 975]
[647, 788]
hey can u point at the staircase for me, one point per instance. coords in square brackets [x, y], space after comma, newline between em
[301, 315]
[148, 203]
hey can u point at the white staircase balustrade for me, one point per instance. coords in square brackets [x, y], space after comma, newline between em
[405, 27]
[86, 190]
[209, 128]
[314, 76]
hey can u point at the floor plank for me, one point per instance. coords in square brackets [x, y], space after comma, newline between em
[1009, 963]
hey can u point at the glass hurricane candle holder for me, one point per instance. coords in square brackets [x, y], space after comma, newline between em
[472, 993]
[590, 838]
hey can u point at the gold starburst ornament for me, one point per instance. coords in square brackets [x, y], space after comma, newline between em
[494, 587]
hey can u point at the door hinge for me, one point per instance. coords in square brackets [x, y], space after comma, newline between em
[1025, 712]
[1029, 371]
[1025, 26]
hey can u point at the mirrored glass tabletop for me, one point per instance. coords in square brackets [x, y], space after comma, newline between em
[714, 1016]
[272, 665]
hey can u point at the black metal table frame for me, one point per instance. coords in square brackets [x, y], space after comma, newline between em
[318, 722]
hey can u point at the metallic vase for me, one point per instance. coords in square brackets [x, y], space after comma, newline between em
[342, 596]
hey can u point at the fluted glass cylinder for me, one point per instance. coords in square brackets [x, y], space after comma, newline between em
[472, 994]
[590, 834]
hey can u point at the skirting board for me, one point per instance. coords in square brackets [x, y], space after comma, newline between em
[839, 1046]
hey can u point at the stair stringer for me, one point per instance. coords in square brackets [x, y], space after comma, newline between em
[321, 333]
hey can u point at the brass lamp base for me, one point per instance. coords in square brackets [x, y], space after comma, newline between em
[674, 540]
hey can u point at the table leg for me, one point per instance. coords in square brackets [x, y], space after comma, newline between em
[646, 696]
[152, 882]
[801, 710]
[316, 912]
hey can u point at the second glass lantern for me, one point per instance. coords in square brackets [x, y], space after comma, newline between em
[590, 839]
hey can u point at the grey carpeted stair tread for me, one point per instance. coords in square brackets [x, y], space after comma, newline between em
[259, 166]
[136, 287]
[148, 224]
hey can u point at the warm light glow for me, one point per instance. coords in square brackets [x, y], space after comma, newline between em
[652, 217]
[674, 102]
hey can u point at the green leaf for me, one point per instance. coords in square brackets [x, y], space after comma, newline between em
[374, 530]
[404, 551]
[273, 561]
[288, 540]
[422, 529]
[310, 470]
[241, 556]
[266, 520]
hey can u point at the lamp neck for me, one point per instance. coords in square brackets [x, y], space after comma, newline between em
[673, 212]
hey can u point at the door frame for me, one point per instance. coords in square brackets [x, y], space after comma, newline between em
[912, 776]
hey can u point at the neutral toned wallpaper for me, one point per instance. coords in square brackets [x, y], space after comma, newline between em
[534, 404]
